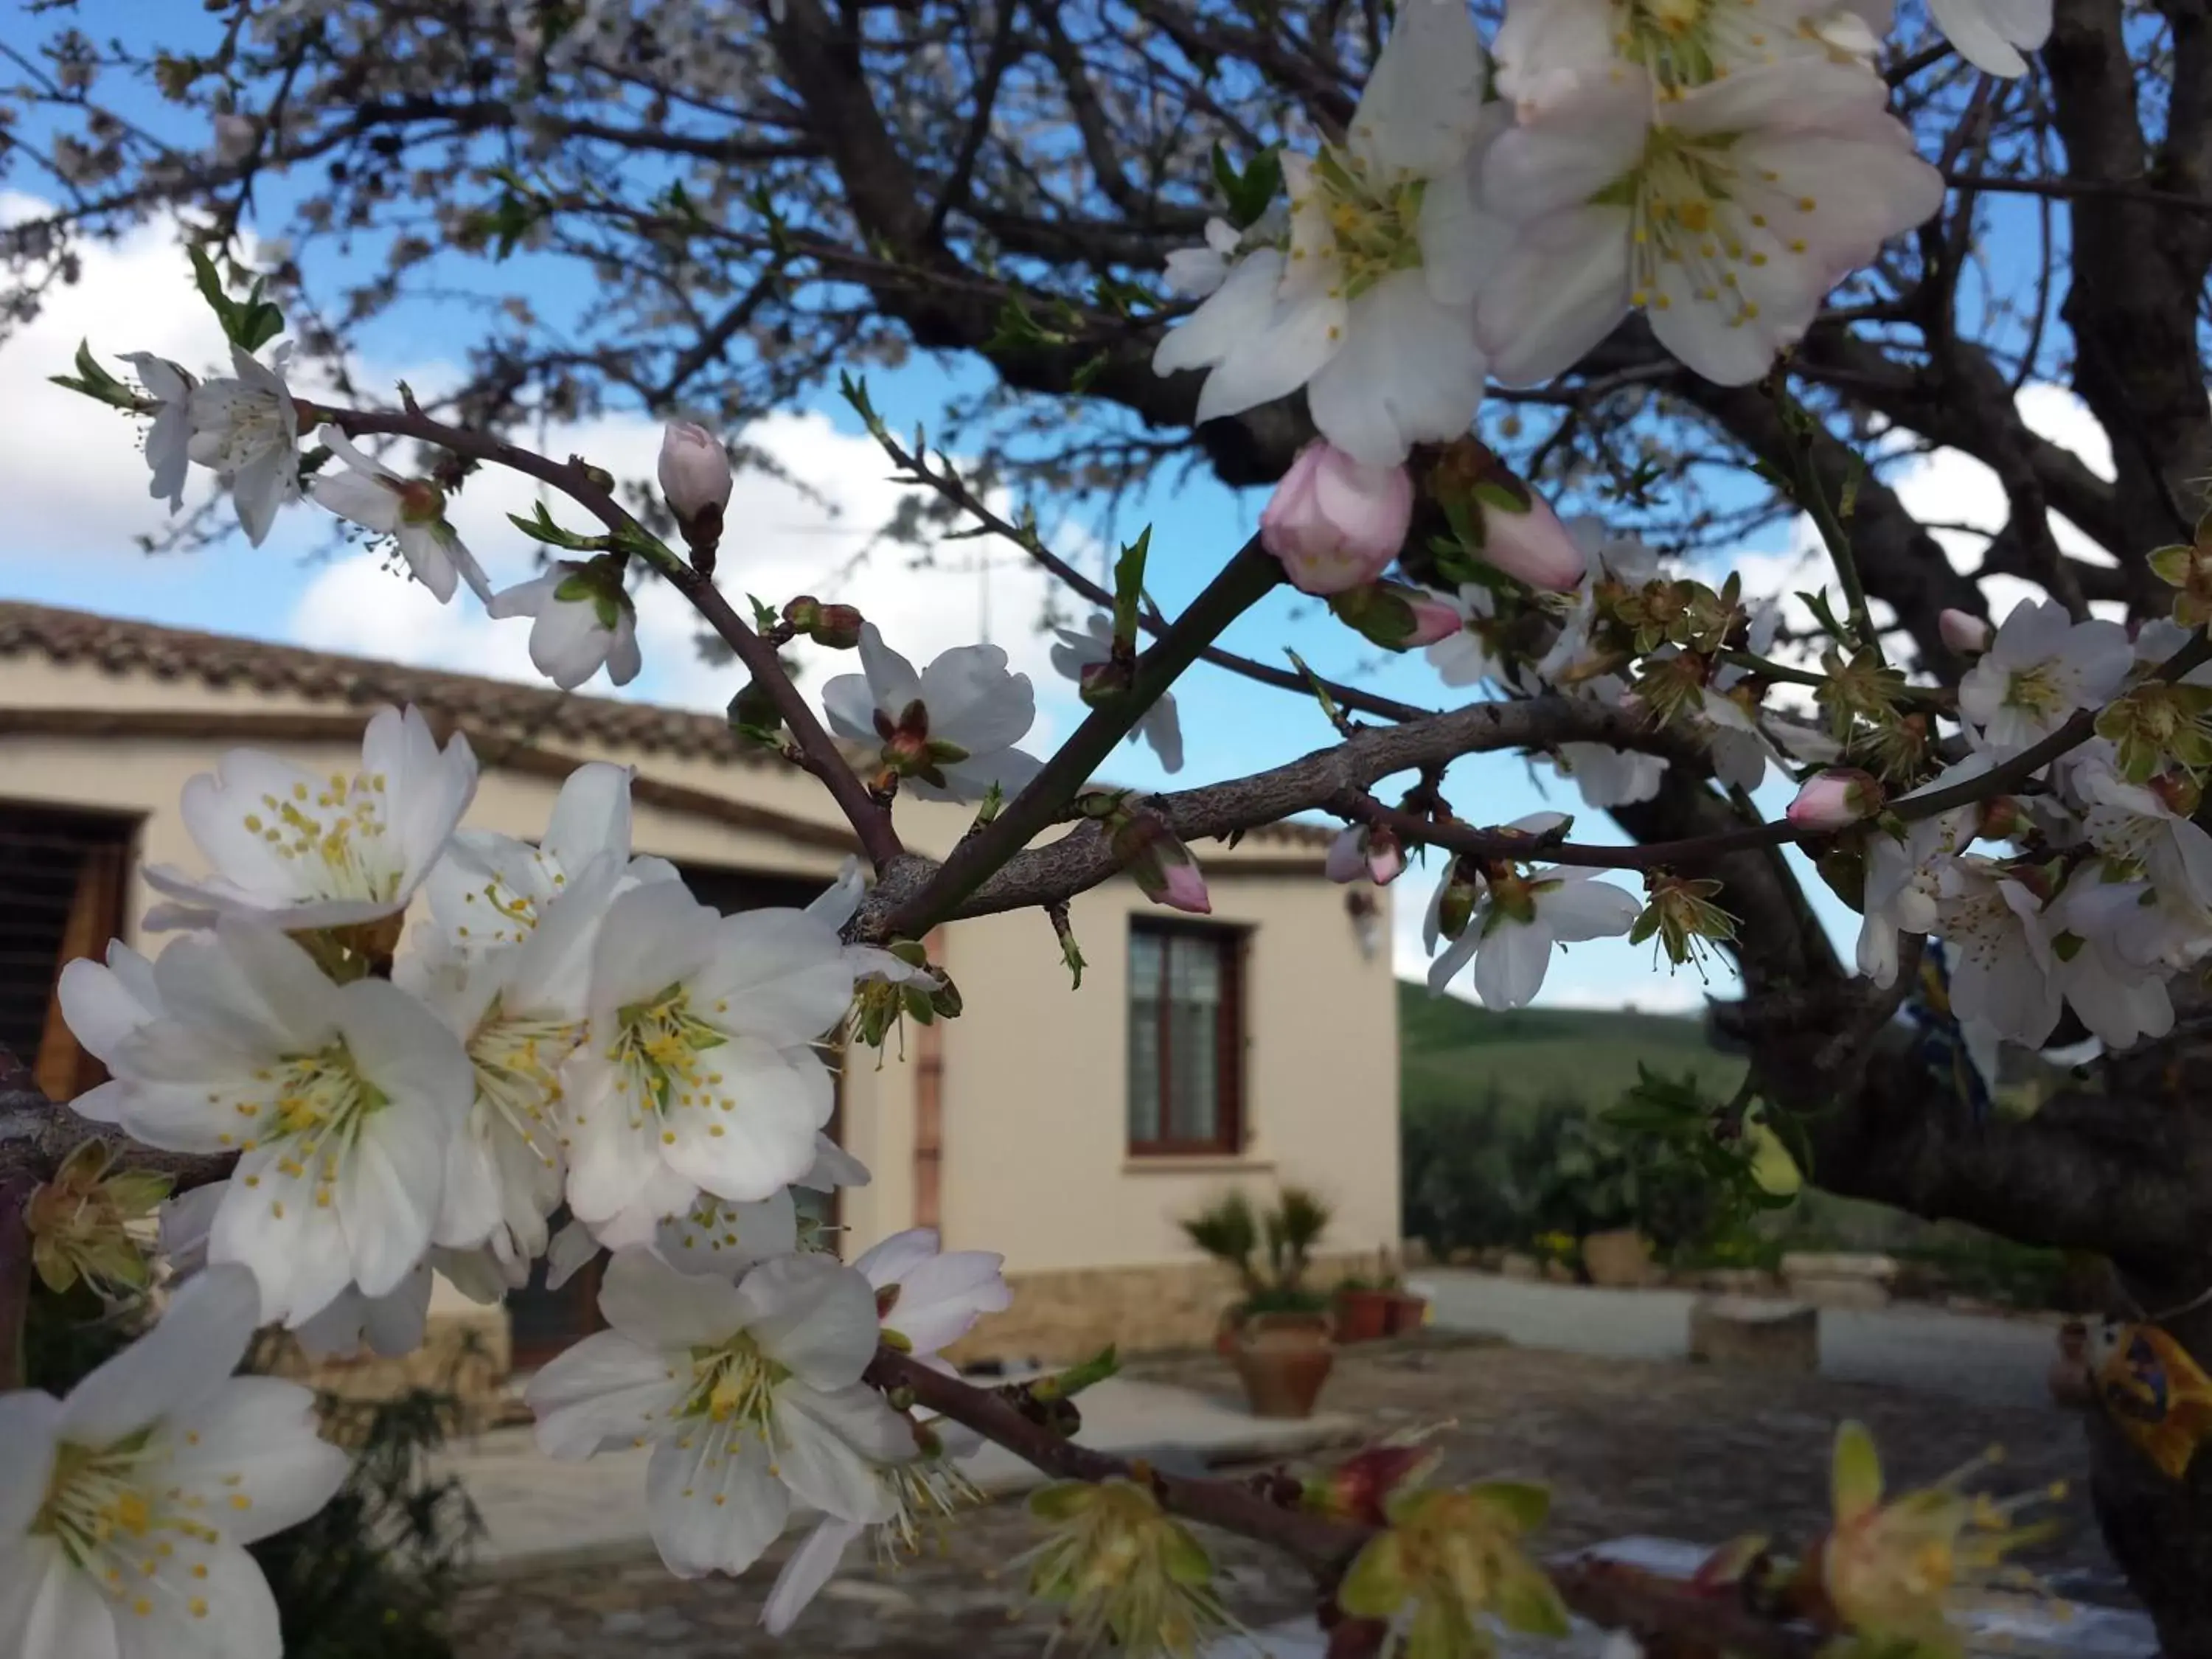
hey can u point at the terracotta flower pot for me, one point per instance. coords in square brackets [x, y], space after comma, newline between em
[1283, 1365]
[1362, 1316]
[1406, 1314]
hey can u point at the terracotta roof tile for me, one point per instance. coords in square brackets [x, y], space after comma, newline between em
[221, 660]
[122, 647]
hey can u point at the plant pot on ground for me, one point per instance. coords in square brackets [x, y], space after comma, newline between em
[1276, 1334]
[1406, 1313]
[1361, 1310]
[1283, 1360]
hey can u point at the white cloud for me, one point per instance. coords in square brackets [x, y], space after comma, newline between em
[75, 484]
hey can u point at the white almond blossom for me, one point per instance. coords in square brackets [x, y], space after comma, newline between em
[1725, 214]
[520, 1012]
[388, 1325]
[1195, 272]
[925, 1300]
[697, 1071]
[1370, 307]
[168, 439]
[1992, 34]
[1544, 46]
[2042, 666]
[2001, 963]
[582, 621]
[2119, 1001]
[950, 729]
[340, 1100]
[411, 511]
[749, 1395]
[1094, 644]
[489, 889]
[1464, 657]
[125, 1509]
[1519, 920]
[2137, 824]
[1611, 777]
[247, 430]
[329, 851]
[928, 1297]
[1903, 875]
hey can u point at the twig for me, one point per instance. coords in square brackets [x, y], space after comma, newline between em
[954, 491]
[1250, 574]
[575, 480]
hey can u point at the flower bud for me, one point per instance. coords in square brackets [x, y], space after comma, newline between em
[1395, 616]
[1501, 521]
[1161, 864]
[1361, 851]
[1334, 522]
[1965, 633]
[695, 469]
[694, 481]
[1831, 800]
[1455, 905]
[837, 627]
[2002, 817]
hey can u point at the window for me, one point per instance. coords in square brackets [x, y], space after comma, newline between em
[61, 897]
[1186, 1039]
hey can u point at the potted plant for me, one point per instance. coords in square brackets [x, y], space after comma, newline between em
[1276, 1334]
[1403, 1311]
[1361, 1310]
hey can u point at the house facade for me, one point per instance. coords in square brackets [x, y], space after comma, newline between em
[1068, 1128]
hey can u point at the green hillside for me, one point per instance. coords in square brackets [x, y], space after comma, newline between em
[1452, 1052]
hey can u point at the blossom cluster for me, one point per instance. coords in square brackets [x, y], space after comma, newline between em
[420, 1041]
[1716, 165]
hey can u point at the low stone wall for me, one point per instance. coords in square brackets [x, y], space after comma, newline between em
[1058, 1316]
[463, 1353]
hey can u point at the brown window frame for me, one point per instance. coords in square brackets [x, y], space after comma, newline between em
[1230, 944]
[107, 845]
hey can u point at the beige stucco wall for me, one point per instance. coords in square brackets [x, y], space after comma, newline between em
[1033, 1161]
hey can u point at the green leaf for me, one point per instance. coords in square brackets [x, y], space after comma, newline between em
[1855, 1474]
[1129, 589]
[95, 382]
[1523, 1503]
[1526, 1601]
[539, 526]
[1248, 194]
[1376, 1584]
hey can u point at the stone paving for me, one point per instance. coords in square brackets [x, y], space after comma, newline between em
[1629, 1446]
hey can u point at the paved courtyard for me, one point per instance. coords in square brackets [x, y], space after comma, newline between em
[1629, 1445]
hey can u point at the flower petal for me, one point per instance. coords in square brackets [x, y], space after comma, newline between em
[602, 1392]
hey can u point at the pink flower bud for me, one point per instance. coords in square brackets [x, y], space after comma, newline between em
[1159, 863]
[1965, 633]
[695, 469]
[1433, 620]
[1183, 888]
[1531, 545]
[1830, 800]
[1334, 522]
[1359, 852]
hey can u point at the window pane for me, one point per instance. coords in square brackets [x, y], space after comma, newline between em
[1193, 1039]
[1146, 967]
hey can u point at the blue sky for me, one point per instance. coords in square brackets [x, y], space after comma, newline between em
[77, 486]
